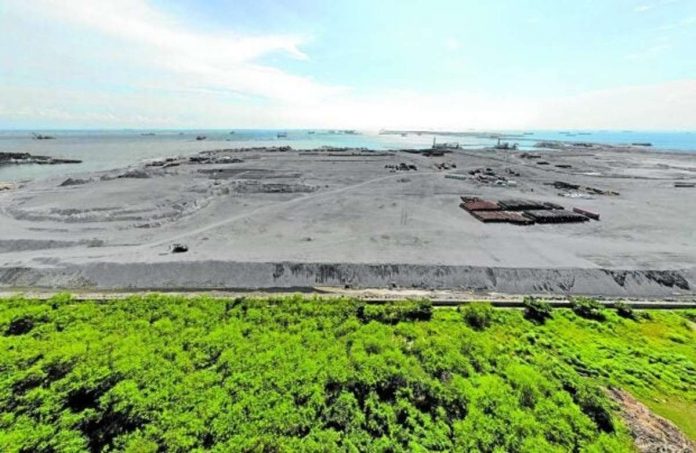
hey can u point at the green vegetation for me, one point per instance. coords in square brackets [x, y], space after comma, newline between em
[478, 315]
[536, 310]
[625, 311]
[588, 308]
[295, 374]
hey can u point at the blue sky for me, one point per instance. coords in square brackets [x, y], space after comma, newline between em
[419, 64]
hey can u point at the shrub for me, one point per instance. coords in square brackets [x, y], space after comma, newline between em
[625, 311]
[536, 310]
[20, 326]
[478, 315]
[395, 312]
[588, 308]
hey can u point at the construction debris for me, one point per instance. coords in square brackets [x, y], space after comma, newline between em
[476, 204]
[526, 205]
[523, 212]
[212, 159]
[401, 167]
[561, 185]
[488, 176]
[586, 213]
[555, 216]
[445, 166]
[576, 195]
[502, 217]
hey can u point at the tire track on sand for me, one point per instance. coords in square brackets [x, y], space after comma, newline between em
[274, 206]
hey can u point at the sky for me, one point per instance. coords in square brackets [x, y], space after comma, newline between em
[363, 64]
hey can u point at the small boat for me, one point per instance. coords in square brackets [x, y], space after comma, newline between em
[201, 138]
[311, 132]
[43, 137]
[282, 135]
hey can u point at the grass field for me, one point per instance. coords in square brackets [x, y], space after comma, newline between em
[162, 373]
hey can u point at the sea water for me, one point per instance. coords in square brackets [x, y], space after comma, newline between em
[105, 150]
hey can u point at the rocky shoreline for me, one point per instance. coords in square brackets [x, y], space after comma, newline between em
[26, 158]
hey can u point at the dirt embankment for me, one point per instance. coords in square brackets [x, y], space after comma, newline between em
[229, 275]
[651, 432]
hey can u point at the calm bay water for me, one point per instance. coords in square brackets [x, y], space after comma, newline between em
[104, 150]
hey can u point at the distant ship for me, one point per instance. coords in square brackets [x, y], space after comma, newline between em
[201, 138]
[43, 137]
[282, 135]
[311, 132]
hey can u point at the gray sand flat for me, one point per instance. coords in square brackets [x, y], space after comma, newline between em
[269, 219]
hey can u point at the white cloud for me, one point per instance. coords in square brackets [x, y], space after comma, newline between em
[168, 75]
[686, 22]
[221, 61]
[664, 106]
[643, 8]
[654, 5]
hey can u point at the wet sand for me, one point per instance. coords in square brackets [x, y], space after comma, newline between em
[270, 219]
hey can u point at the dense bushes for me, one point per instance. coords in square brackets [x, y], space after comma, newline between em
[624, 310]
[588, 308]
[395, 312]
[291, 374]
[536, 310]
[478, 315]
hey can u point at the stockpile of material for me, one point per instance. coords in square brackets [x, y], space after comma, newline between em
[502, 217]
[556, 216]
[523, 212]
[476, 204]
[527, 205]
